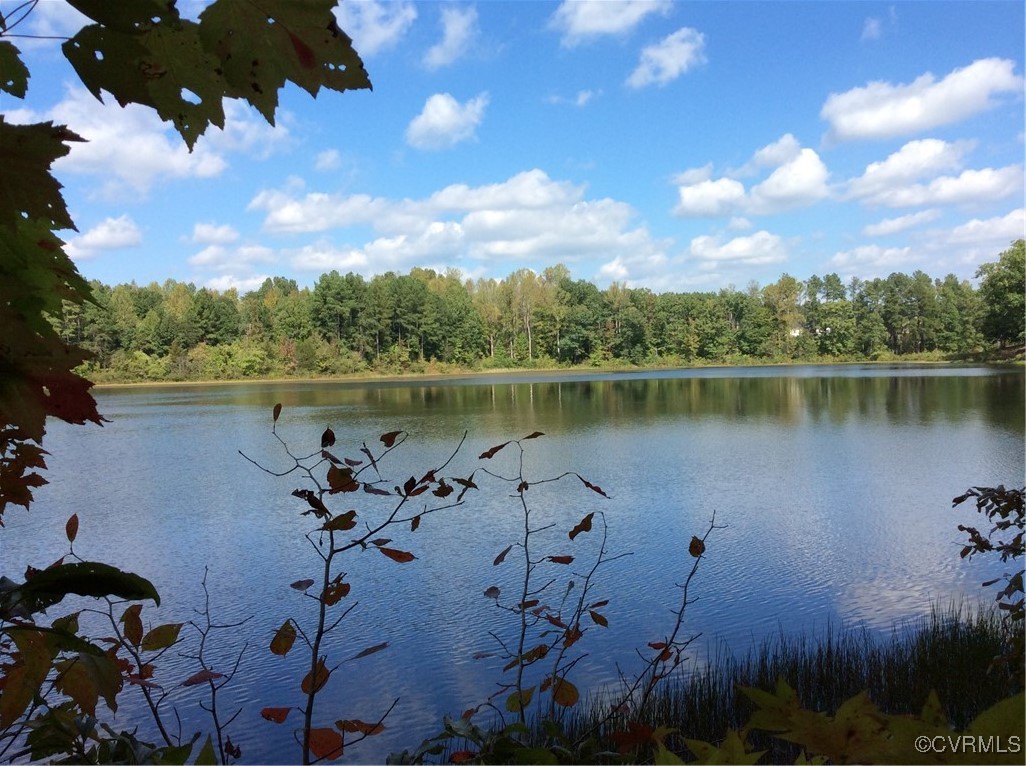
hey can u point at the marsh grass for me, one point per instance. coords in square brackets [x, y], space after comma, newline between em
[949, 651]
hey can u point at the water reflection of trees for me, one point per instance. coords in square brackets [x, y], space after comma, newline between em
[575, 405]
[996, 399]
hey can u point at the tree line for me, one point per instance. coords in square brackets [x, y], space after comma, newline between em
[425, 320]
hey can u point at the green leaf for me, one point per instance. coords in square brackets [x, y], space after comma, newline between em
[23, 679]
[27, 189]
[133, 624]
[1001, 720]
[314, 681]
[261, 47]
[129, 16]
[13, 72]
[61, 638]
[517, 701]
[87, 677]
[157, 67]
[207, 756]
[341, 522]
[564, 693]
[283, 639]
[87, 578]
[161, 637]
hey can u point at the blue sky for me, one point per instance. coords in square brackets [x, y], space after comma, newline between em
[669, 145]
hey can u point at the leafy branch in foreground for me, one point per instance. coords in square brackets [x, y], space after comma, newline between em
[1003, 507]
[545, 632]
[55, 676]
[385, 510]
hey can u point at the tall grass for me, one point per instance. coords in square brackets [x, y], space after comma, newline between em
[950, 651]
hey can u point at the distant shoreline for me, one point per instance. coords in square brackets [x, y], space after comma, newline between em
[441, 377]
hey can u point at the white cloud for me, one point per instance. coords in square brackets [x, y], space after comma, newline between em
[668, 59]
[633, 270]
[48, 23]
[444, 122]
[801, 180]
[971, 187]
[330, 159]
[964, 247]
[872, 29]
[694, 175]
[130, 148]
[873, 261]
[784, 149]
[586, 20]
[883, 110]
[890, 226]
[316, 211]
[109, 234]
[581, 99]
[529, 216]
[914, 160]
[217, 257]
[710, 198]
[758, 249]
[997, 231]
[459, 27]
[247, 132]
[796, 183]
[322, 256]
[375, 26]
[232, 282]
[212, 234]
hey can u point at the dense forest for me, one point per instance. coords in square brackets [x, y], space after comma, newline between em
[425, 321]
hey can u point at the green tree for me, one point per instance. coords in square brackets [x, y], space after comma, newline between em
[1001, 288]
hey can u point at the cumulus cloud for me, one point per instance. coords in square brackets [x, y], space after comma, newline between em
[873, 261]
[971, 187]
[322, 256]
[884, 110]
[964, 247]
[798, 182]
[913, 161]
[109, 234]
[582, 21]
[218, 257]
[242, 285]
[710, 199]
[668, 59]
[528, 216]
[131, 150]
[902, 223]
[330, 159]
[758, 249]
[212, 234]
[375, 26]
[459, 28]
[784, 149]
[992, 233]
[316, 211]
[799, 179]
[247, 132]
[445, 122]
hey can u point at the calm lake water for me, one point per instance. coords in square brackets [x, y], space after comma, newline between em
[835, 484]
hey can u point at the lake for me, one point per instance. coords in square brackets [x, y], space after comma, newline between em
[834, 483]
